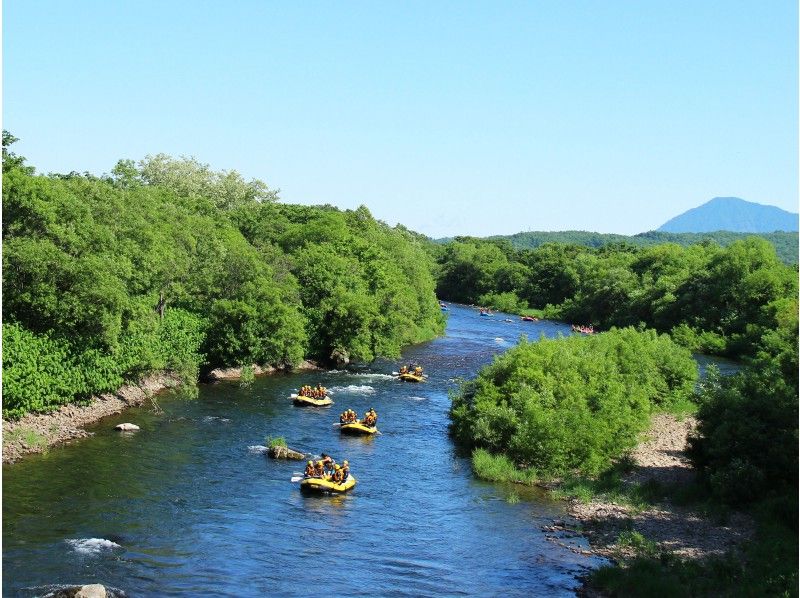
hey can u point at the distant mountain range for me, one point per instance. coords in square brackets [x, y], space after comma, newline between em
[734, 215]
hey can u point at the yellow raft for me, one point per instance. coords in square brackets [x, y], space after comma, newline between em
[311, 401]
[357, 428]
[411, 377]
[324, 485]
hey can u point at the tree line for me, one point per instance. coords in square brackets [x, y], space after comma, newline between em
[711, 299]
[165, 264]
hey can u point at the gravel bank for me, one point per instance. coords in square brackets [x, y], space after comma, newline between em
[682, 531]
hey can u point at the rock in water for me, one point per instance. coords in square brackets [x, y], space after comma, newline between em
[340, 357]
[94, 590]
[283, 452]
[126, 428]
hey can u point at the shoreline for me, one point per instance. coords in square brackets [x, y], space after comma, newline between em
[619, 532]
[37, 432]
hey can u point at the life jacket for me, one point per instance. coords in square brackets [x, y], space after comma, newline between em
[310, 471]
[319, 470]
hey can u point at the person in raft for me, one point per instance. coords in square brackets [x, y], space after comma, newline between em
[315, 393]
[348, 417]
[345, 470]
[370, 418]
[338, 474]
[403, 369]
[311, 471]
[418, 371]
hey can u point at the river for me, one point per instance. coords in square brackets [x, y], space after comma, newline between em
[190, 505]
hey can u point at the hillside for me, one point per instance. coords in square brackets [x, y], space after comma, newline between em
[732, 214]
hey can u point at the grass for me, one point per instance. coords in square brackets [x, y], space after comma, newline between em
[30, 437]
[638, 543]
[533, 312]
[274, 441]
[609, 487]
[248, 375]
[499, 468]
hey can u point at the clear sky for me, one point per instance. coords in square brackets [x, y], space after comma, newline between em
[450, 117]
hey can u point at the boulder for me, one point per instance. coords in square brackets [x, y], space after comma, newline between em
[94, 590]
[340, 358]
[283, 452]
[126, 427]
[236, 373]
[307, 366]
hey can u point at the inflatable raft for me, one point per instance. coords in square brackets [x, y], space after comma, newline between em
[311, 401]
[357, 429]
[411, 377]
[323, 485]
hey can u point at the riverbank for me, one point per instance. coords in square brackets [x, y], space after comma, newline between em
[620, 529]
[36, 432]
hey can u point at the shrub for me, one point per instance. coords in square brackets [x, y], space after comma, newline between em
[746, 440]
[507, 302]
[573, 403]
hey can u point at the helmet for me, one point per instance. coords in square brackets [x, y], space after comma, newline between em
[346, 462]
[320, 463]
[337, 467]
[310, 463]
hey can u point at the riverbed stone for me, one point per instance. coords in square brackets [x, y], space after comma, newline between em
[126, 427]
[93, 590]
[283, 452]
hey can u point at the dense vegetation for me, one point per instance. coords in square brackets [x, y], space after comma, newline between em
[166, 264]
[712, 299]
[785, 243]
[556, 406]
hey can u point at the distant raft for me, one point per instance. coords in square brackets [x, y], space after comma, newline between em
[357, 429]
[302, 401]
[323, 485]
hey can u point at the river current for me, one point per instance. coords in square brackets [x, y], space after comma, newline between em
[191, 506]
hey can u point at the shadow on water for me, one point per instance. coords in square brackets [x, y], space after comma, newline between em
[190, 504]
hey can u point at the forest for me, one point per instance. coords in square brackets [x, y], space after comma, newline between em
[166, 264]
[785, 242]
[711, 299]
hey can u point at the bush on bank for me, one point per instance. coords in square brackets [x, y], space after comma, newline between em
[573, 403]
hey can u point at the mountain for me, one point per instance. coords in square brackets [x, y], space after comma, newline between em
[732, 214]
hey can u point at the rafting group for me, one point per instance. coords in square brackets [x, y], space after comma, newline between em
[310, 396]
[583, 329]
[328, 476]
[411, 373]
[320, 392]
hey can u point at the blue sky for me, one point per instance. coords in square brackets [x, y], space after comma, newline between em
[450, 117]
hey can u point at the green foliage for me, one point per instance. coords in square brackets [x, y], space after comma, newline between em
[715, 300]
[785, 243]
[499, 468]
[747, 435]
[609, 487]
[638, 543]
[574, 403]
[507, 302]
[91, 263]
[276, 441]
